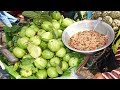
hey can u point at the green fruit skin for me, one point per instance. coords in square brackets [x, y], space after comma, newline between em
[36, 21]
[66, 57]
[43, 45]
[73, 62]
[35, 40]
[47, 54]
[15, 44]
[56, 15]
[34, 51]
[30, 32]
[46, 36]
[18, 52]
[61, 52]
[56, 25]
[60, 33]
[55, 34]
[59, 70]
[42, 74]
[40, 63]
[34, 27]
[52, 72]
[64, 65]
[47, 26]
[40, 32]
[27, 56]
[25, 73]
[48, 64]
[66, 22]
[22, 32]
[54, 45]
[9, 44]
[54, 61]
[61, 43]
[23, 42]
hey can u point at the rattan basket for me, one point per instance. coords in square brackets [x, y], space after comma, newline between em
[101, 61]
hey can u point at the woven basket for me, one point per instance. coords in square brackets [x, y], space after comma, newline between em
[101, 61]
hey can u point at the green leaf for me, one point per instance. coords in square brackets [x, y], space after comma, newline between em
[6, 29]
[37, 21]
[115, 46]
[67, 72]
[32, 77]
[38, 12]
[30, 14]
[11, 29]
[15, 38]
[10, 32]
[15, 28]
[27, 61]
[116, 37]
[46, 18]
[16, 66]
[11, 71]
[8, 37]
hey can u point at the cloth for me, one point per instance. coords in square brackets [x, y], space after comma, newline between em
[7, 19]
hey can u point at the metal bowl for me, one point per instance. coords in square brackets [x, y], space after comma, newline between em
[84, 25]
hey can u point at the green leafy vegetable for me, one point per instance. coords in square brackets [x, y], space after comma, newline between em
[30, 14]
[16, 66]
[11, 71]
[11, 31]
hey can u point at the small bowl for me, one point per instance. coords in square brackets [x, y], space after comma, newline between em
[84, 25]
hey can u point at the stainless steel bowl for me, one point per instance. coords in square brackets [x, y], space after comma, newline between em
[84, 25]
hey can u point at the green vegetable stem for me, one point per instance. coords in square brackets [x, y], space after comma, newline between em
[12, 72]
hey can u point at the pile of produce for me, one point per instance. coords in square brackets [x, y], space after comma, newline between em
[113, 19]
[39, 48]
[110, 17]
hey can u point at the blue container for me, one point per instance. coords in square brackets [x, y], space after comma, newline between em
[89, 14]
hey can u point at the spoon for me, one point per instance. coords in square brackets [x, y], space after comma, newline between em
[98, 22]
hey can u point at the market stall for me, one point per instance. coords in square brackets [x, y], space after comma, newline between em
[37, 47]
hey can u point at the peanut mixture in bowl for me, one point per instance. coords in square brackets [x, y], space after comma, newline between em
[88, 40]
